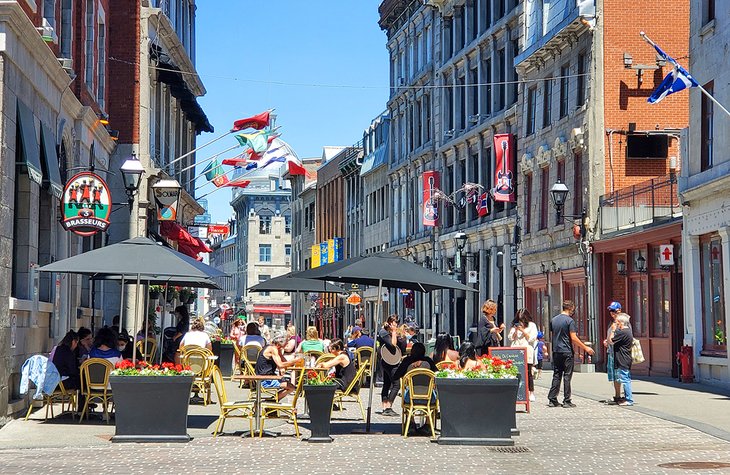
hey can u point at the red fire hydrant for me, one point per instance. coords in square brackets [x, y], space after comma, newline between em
[685, 359]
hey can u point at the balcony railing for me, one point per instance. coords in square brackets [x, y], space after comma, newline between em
[651, 202]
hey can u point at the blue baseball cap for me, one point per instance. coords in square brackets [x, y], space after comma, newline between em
[614, 307]
[540, 335]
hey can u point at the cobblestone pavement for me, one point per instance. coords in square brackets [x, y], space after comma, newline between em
[591, 438]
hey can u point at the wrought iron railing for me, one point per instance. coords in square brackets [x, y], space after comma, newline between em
[650, 202]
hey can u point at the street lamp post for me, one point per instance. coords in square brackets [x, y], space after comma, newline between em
[500, 297]
[132, 171]
[559, 193]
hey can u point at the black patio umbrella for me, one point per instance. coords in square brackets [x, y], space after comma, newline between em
[383, 269]
[165, 280]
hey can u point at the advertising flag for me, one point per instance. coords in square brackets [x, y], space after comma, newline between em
[430, 212]
[504, 155]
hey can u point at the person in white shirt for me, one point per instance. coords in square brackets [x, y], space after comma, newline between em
[523, 334]
[264, 330]
[196, 336]
[252, 336]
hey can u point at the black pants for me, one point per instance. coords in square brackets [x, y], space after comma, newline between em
[562, 369]
[530, 379]
[390, 385]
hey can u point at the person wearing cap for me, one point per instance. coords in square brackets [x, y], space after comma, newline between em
[613, 310]
[541, 351]
[359, 340]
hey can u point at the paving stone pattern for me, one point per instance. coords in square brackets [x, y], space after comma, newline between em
[591, 438]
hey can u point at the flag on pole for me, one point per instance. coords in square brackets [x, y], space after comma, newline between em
[677, 80]
[212, 170]
[238, 183]
[483, 205]
[258, 142]
[220, 180]
[257, 122]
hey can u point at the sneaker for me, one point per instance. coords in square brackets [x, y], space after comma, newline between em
[554, 404]
[390, 412]
[625, 403]
[568, 404]
[532, 398]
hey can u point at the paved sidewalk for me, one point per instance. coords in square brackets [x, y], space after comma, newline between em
[699, 406]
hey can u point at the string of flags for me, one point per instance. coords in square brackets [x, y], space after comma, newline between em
[261, 147]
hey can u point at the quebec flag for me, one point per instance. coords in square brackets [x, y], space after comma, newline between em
[677, 80]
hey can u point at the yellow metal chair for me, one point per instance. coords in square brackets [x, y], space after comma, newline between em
[275, 410]
[352, 391]
[237, 358]
[363, 355]
[95, 384]
[147, 349]
[201, 364]
[228, 408]
[249, 355]
[418, 385]
[60, 395]
[324, 358]
[444, 364]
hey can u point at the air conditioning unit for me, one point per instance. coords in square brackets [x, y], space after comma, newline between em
[48, 34]
[66, 63]
[401, 81]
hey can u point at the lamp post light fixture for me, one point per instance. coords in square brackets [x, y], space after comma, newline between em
[460, 240]
[640, 263]
[559, 193]
[621, 267]
[132, 171]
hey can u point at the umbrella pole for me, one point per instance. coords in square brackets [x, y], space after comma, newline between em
[121, 307]
[146, 321]
[136, 314]
[373, 373]
[93, 305]
[162, 316]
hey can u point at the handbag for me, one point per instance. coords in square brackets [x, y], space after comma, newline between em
[637, 354]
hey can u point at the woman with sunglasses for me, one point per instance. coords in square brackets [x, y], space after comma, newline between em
[392, 349]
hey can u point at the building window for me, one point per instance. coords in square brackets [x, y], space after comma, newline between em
[564, 72]
[528, 203]
[713, 299]
[561, 178]
[502, 78]
[544, 192]
[639, 304]
[49, 12]
[461, 92]
[264, 278]
[264, 252]
[287, 224]
[513, 72]
[531, 106]
[264, 224]
[706, 127]
[487, 87]
[90, 26]
[287, 250]
[580, 81]
[66, 28]
[662, 300]
[547, 102]
[101, 66]
[708, 11]
[578, 182]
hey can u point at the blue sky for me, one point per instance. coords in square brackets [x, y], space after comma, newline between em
[245, 47]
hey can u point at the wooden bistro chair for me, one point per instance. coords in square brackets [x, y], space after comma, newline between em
[280, 410]
[249, 355]
[237, 369]
[200, 362]
[420, 384]
[352, 392]
[443, 364]
[363, 355]
[60, 395]
[324, 358]
[147, 349]
[228, 408]
[95, 384]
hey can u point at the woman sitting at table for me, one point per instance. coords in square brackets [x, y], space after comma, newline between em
[312, 343]
[86, 343]
[105, 346]
[444, 349]
[66, 362]
[196, 336]
[417, 359]
[292, 341]
[343, 363]
[269, 361]
[467, 356]
[252, 336]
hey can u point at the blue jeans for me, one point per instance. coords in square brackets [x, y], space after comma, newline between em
[623, 376]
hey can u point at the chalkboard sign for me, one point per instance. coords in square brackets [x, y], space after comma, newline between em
[518, 356]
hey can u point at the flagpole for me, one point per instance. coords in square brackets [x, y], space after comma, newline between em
[198, 148]
[699, 86]
[212, 157]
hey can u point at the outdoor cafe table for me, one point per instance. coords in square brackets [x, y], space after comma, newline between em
[258, 379]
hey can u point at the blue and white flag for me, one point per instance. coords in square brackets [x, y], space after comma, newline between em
[677, 80]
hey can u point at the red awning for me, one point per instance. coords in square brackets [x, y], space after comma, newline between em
[272, 309]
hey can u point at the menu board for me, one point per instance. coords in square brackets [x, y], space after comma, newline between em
[518, 356]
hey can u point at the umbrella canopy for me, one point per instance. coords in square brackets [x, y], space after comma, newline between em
[162, 280]
[133, 257]
[287, 283]
[383, 269]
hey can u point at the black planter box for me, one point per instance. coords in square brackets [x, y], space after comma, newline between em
[319, 400]
[477, 411]
[151, 408]
[225, 359]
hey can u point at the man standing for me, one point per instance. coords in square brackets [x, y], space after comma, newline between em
[564, 336]
[613, 310]
[621, 342]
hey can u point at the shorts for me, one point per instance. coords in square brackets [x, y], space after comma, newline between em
[610, 370]
[539, 364]
[271, 384]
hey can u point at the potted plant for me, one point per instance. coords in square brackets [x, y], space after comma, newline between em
[151, 401]
[319, 389]
[172, 294]
[478, 406]
[187, 296]
[223, 349]
[155, 291]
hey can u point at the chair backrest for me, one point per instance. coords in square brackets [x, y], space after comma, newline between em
[443, 364]
[324, 357]
[250, 353]
[95, 374]
[147, 348]
[220, 388]
[363, 354]
[356, 380]
[299, 388]
[237, 350]
[420, 383]
[198, 359]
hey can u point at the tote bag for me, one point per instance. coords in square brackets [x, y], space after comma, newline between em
[637, 354]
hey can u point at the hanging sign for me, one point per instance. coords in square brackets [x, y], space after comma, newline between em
[167, 195]
[666, 255]
[504, 179]
[354, 299]
[430, 212]
[86, 204]
[218, 229]
[316, 261]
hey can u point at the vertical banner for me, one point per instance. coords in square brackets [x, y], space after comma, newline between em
[315, 256]
[331, 250]
[339, 247]
[323, 254]
[430, 206]
[504, 178]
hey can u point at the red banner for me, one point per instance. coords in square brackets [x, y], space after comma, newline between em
[483, 205]
[504, 170]
[430, 212]
[218, 229]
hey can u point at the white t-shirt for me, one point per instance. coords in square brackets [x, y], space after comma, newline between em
[257, 340]
[196, 338]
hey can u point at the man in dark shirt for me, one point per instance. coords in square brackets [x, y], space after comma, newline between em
[359, 340]
[622, 340]
[562, 327]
